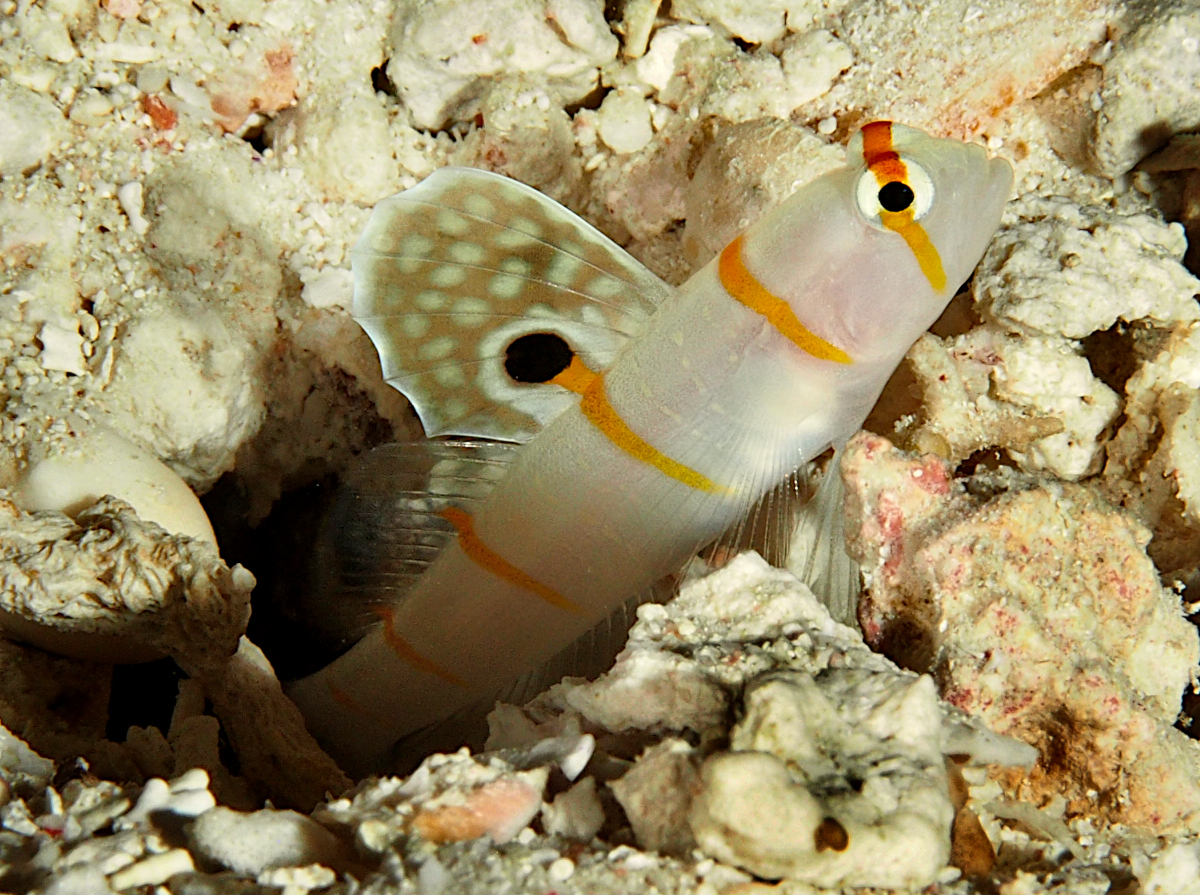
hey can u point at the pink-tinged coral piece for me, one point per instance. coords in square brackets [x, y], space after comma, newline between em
[266, 88]
[1035, 607]
[499, 809]
[123, 9]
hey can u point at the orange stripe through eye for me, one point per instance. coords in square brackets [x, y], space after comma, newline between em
[743, 286]
[887, 167]
[483, 555]
[879, 155]
[918, 240]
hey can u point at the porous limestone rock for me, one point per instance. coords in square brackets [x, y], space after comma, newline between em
[1148, 91]
[1034, 605]
[836, 780]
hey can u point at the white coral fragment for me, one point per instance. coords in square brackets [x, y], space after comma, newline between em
[31, 129]
[1071, 270]
[347, 148]
[187, 795]
[836, 781]
[659, 64]
[576, 813]
[811, 62]
[107, 574]
[62, 348]
[1149, 90]
[1174, 871]
[187, 381]
[1045, 377]
[153, 870]
[623, 121]
[252, 843]
[445, 54]
[449, 798]
[131, 197]
[754, 21]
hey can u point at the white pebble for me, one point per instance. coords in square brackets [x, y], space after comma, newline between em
[623, 121]
[152, 79]
[576, 813]
[62, 348]
[195, 780]
[100, 462]
[573, 763]
[561, 870]
[298, 879]
[79, 881]
[48, 36]
[328, 287]
[90, 109]
[131, 198]
[155, 795]
[154, 870]
[31, 129]
[261, 840]
[432, 878]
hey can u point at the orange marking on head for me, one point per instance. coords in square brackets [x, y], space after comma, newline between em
[887, 167]
[596, 407]
[878, 153]
[481, 554]
[742, 285]
[918, 240]
[404, 650]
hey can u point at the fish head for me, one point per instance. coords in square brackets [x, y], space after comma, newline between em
[926, 209]
[868, 256]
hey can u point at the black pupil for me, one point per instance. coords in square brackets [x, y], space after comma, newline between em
[537, 357]
[896, 196]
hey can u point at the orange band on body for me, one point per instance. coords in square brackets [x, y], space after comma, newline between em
[481, 554]
[601, 414]
[887, 166]
[349, 702]
[576, 377]
[404, 650]
[743, 286]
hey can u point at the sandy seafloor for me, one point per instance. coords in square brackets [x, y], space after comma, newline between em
[180, 184]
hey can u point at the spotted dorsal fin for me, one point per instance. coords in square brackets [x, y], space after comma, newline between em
[477, 289]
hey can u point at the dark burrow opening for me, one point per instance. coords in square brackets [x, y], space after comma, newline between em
[278, 551]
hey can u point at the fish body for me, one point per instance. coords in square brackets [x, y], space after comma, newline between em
[655, 436]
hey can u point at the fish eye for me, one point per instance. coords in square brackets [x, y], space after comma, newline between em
[895, 195]
[909, 189]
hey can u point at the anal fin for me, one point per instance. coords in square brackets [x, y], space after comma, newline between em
[817, 554]
[799, 525]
